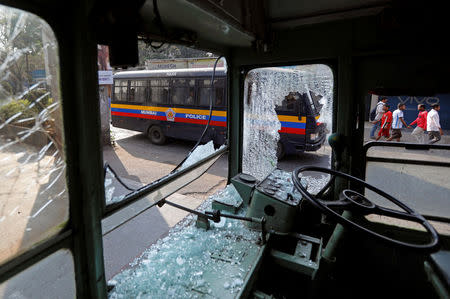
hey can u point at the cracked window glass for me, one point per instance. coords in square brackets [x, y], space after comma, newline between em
[287, 119]
[33, 196]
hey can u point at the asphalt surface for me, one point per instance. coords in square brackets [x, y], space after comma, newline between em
[174, 151]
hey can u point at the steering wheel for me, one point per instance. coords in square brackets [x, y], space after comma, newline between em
[358, 203]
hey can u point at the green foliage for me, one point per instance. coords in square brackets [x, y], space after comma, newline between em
[23, 105]
[16, 106]
[167, 51]
[21, 50]
[37, 93]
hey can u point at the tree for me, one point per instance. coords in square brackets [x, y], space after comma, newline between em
[168, 51]
[20, 50]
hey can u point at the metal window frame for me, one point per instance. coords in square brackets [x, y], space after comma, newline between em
[82, 236]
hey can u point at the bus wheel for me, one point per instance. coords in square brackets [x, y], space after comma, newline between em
[156, 135]
[280, 151]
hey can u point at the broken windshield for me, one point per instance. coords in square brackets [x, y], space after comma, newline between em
[287, 113]
[33, 199]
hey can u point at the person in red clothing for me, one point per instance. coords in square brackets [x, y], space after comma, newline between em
[421, 121]
[386, 121]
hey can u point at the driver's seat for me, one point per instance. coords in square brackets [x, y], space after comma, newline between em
[438, 271]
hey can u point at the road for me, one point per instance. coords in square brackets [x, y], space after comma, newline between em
[172, 153]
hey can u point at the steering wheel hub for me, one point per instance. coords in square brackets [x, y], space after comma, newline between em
[357, 199]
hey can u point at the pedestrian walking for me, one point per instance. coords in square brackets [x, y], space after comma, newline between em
[386, 121]
[421, 121]
[398, 122]
[433, 125]
[378, 114]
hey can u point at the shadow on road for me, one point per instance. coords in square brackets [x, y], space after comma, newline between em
[171, 153]
[110, 157]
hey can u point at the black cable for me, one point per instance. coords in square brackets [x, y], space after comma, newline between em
[106, 167]
[210, 115]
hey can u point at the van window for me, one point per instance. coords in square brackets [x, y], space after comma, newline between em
[291, 103]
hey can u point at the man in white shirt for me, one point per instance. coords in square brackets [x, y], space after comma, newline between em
[433, 125]
[398, 122]
[379, 113]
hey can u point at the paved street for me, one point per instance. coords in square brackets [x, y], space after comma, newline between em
[407, 137]
[33, 201]
[132, 145]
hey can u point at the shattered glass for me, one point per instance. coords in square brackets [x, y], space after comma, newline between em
[315, 183]
[264, 90]
[114, 191]
[200, 152]
[192, 262]
[261, 124]
[33, 197]
[228, 196]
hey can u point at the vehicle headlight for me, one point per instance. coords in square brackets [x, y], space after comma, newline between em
[313, 136]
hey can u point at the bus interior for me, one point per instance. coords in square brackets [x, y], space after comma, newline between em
[374, 224]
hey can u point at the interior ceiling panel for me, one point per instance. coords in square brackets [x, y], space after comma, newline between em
[241, 23]
[284, 13]
[216, 25]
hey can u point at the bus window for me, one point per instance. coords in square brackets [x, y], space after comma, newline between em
[120, 90]
[34, 202]
[132, 93]
[182, 92]
[204, 91]
[138, 91]
[220, 97]
[159, 91]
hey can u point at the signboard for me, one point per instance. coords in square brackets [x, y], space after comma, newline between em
[37, 74]
[105, 77]
[204, 62]
[165, 64]
[182, 63]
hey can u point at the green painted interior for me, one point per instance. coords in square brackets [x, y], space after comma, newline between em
[363, 55]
